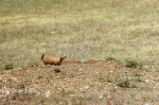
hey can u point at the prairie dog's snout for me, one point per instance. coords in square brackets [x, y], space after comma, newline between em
[52, 60]
[62, 57]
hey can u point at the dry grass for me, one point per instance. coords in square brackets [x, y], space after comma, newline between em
[80, 29]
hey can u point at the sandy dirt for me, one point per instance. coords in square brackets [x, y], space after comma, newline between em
[91, 82]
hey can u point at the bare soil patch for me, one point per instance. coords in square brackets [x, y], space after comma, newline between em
[91, 82]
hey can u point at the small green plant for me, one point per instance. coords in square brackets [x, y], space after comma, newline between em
[1, 68]
[123, 82]
[132, 63]
[82, 61]
[57, 70]
[33, 64]
[137, 73]
[157, 70]
[8, 66]
[21, 85]
[110, 59]
[70, 91]
[110, 78]
[102, 78]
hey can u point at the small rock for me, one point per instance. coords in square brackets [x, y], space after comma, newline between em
[109, 83]
[80, 69]
[100, 96]
[147, 104]
[147, 81]
[7, 92]
[4, 87]
[59, 89]
[38, 94]
[86, 87]
[110, 71]
[53, 32]
[47, 94]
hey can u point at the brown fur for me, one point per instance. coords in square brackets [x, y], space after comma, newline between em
[52, 60]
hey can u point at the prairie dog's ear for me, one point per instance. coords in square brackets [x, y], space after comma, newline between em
[63, 57]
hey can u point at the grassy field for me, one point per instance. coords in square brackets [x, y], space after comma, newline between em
[83, 30]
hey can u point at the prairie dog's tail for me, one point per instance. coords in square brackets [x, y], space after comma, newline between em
[42, 57]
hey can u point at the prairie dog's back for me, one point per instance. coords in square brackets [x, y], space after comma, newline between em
[53, 60]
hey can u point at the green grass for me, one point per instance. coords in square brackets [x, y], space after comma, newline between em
[110, 59]
[123, 82]
[8, 66]
[132, 63]
[126, 82]
[82, 29]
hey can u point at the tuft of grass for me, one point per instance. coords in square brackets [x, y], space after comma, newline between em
[126, 82]
[110, 59]
[82, 61]
[132, 63]
[8, 66]
[123, 82]
[20, 86]
[57, 70]
[110, 78]
[33, 64]
[137, 73]
[157, 70]
[1, 68]
[102, 78]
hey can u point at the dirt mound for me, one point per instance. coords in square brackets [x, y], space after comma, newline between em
[76, 78]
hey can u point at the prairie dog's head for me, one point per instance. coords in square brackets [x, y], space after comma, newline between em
[62, 57]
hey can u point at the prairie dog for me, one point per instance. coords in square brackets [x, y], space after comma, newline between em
[52, 60]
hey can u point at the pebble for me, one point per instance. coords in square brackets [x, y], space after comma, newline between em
[7, 92]
[86, 87]
[147, 104]
[147, 81]
[47, 94]
[110, 71]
